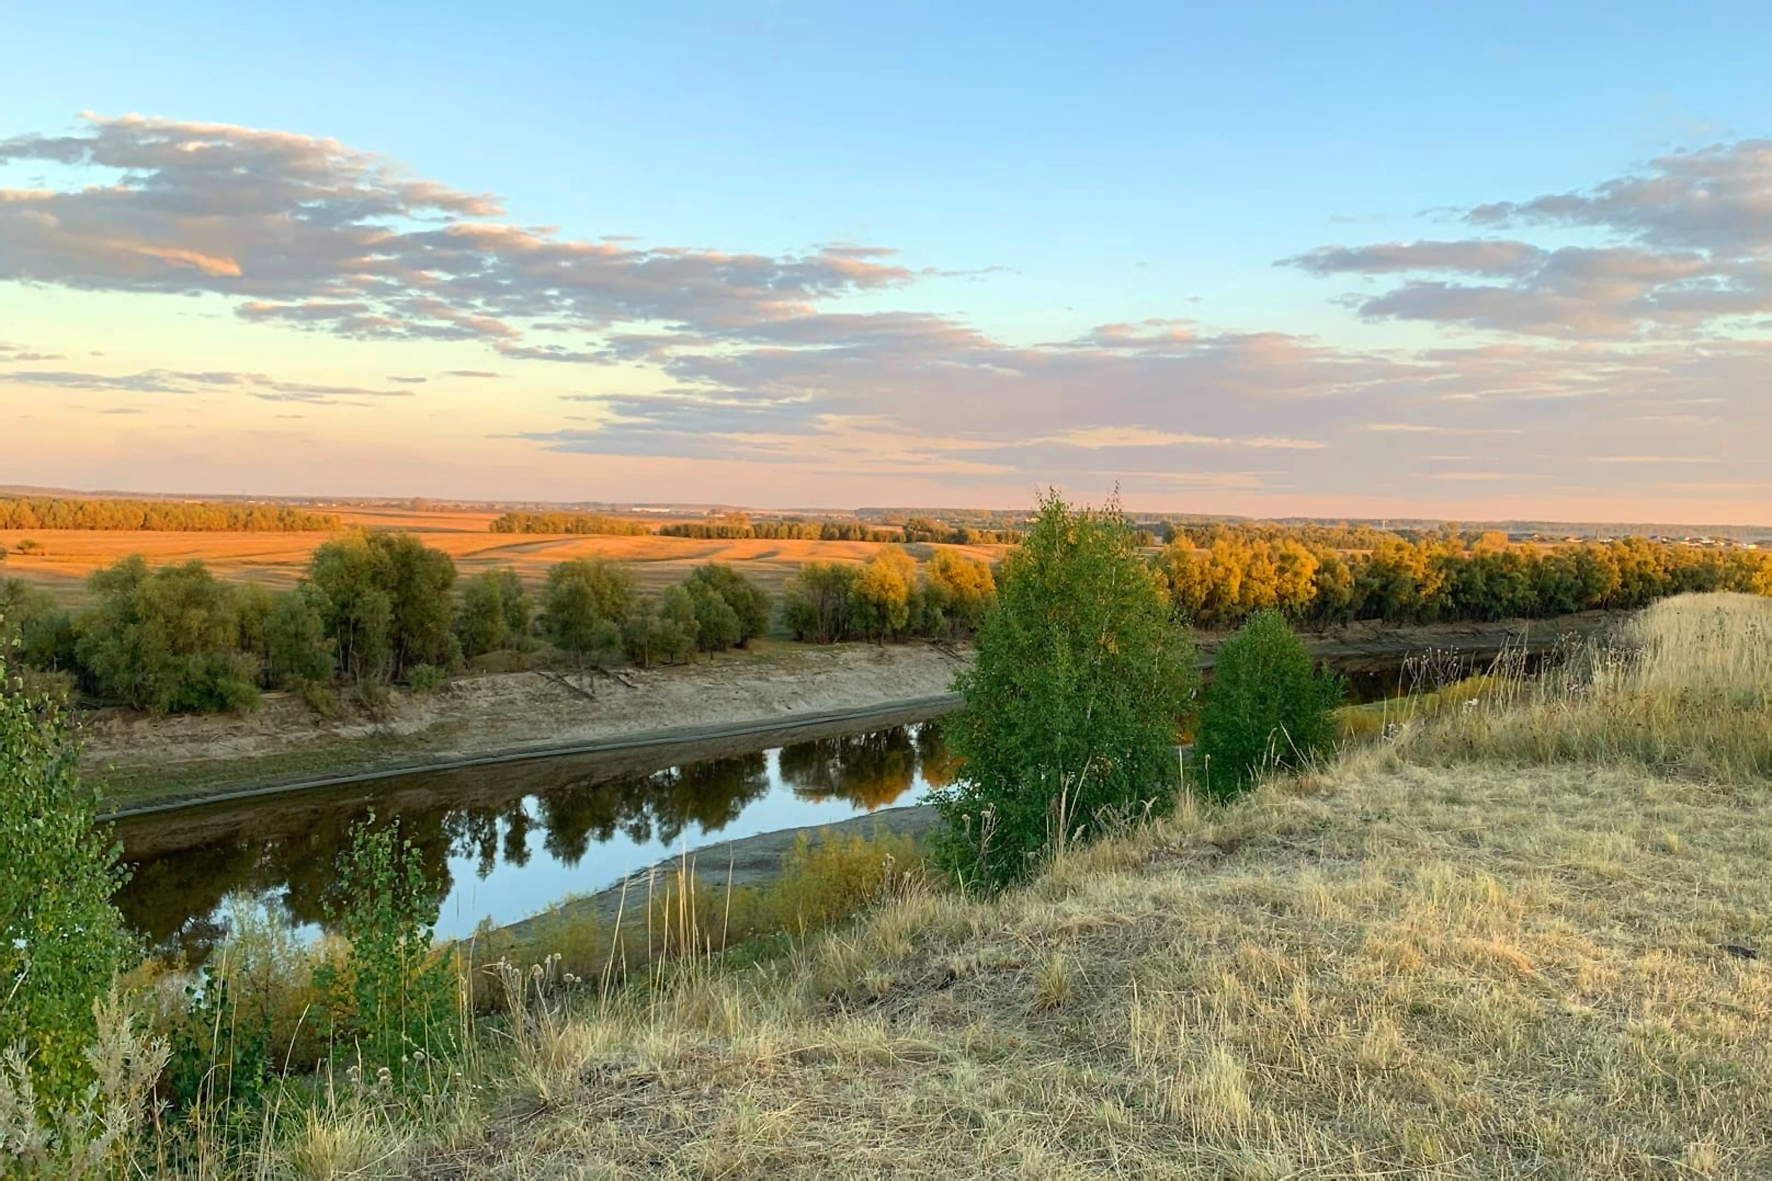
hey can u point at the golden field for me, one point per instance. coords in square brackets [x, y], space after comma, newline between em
[278, 559]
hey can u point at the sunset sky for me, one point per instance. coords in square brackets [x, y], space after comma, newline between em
[1234, 258]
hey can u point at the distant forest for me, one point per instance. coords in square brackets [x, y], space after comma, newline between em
[160, 516]
[740, 526]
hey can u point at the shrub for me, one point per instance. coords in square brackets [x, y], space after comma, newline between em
[717, 625]
[393, 993]
[297, 648]
[880, 597]
[165, 640]
[957, 591]
[495, 613]
[1267, 706]
[61, 939]
[1070, 709]
[427, 678]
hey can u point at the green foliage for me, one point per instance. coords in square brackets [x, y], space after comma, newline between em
[221, 1053]
[393, 993]
[165, 640]
[61, 939]
[661, 630]
[1267, 707]
[577, 523]
[584, 605]
[298, 650]
[427, 678]
[496, 613]
[717, 625]
[815, 602]
[1070, 709]
[386, 603]
[34, 628]
[159, 516]
[749, 602]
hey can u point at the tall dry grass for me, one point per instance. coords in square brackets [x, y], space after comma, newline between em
[1682, 688]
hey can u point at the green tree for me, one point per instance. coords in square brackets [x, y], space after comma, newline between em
[717, 626]
[61, 939]
[297, 649]
[165, 640]
[387, 602]
[1267, 707]
[584, 605]
[815, 602]
[496, 613]
[749, 602]
[1070, 709]
[394, 993]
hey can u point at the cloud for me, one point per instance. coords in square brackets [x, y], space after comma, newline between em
[169, 381]
[309, 233]
[1691, 252]
[486, 373]
[14, 354]
[1474, 256]
[409, 380]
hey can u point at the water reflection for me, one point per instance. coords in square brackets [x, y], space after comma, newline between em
[503, 842]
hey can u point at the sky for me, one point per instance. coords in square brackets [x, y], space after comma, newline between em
[1477, 262]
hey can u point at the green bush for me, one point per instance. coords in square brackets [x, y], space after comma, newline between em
[386, 604]
[427, 678]
[166, 640]
[1267, 707]
[61, 939]
[393, 993]
[1070, 709]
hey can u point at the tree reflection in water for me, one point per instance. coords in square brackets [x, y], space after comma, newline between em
[287, 857]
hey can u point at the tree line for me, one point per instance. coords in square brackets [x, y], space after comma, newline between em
[160, 516]
[741, 527]
[569, 522]
[374, 609]
[1218, 577]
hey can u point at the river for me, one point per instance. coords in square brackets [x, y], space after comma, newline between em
[502, 842]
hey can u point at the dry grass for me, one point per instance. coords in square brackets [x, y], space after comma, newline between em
[1685, 688]
[278, 559]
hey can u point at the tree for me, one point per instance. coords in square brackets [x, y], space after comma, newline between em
[387, 604]
[61, 938]
[880, 598]
[584, 605]
[1071, 706]
[815, 602]
[749, 602]
[495, 613]
[165, 640]
[1267, 706]
[717, 625]
[959, 589]
[297, 649]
